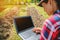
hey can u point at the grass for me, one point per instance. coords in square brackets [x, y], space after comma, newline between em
[22, 12]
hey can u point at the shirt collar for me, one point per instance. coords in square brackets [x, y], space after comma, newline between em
[57, 11]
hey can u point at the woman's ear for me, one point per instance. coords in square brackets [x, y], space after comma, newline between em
[49, 1]
[54, 5]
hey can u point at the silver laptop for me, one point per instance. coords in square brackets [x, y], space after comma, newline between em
[24, 26]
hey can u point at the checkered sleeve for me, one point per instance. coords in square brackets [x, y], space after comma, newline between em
[45, 32]
[49, 31]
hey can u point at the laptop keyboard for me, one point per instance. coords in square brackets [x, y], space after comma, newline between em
[27, 34]
[34, 37]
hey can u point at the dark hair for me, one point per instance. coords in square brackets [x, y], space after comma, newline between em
[58, 3]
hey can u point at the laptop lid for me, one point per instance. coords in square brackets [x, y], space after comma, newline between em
[23, 23]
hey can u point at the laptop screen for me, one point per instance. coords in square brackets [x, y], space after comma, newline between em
[23, 23]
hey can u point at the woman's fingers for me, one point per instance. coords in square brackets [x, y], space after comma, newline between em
[36, 30]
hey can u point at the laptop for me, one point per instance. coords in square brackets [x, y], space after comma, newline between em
[24, 26]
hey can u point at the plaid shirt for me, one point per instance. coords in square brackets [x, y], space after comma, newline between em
[51, 28]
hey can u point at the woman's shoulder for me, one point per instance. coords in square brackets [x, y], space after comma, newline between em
[54, 18]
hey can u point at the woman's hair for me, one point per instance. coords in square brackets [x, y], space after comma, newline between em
[58, 3]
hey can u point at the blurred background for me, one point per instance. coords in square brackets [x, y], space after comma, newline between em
[11, 8]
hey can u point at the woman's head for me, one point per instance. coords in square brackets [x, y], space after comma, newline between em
[50, 6]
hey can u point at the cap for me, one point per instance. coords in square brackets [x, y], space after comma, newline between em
[40, 3]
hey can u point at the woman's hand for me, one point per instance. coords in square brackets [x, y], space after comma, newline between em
[37, 30]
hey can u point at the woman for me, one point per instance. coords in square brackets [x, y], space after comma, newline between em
[51, 27]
